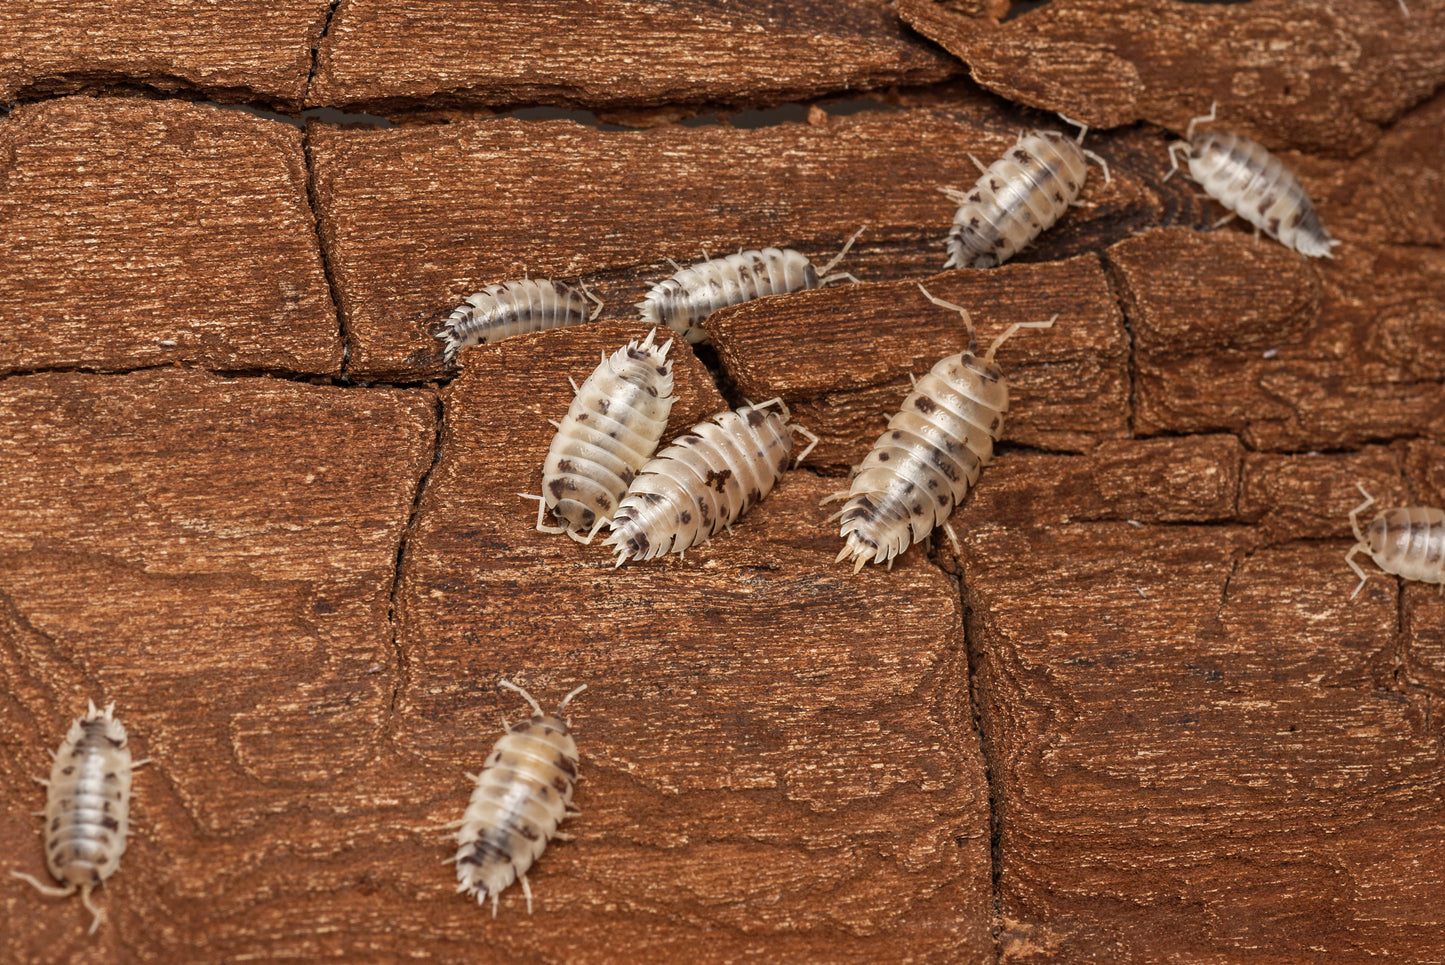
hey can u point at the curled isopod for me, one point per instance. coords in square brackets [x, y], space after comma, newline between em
[523, 793]
[515, 308]
[933, 450]
[1251, 182]
[705, 480]
[87, 809]
[1407, 541]
[1018, 197]
[612, 428]
[691, 294]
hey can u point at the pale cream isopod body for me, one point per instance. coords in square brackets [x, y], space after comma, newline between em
[1408, 541]
[515, 308]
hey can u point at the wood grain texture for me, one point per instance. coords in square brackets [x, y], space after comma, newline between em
[141, 233]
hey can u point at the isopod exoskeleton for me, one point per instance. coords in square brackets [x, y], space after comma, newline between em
[523, 793]
[933, 450]
[704, 481]
[515, 308]
[1019, 196]
[1408, 541]
[612, 428]
[87, 809]
[691, 294]
[1251, 182]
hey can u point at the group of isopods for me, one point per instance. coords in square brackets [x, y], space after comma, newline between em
[601, 471]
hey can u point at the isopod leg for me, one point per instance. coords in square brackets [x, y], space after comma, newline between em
[1355, 514]
[1224, 221]
[955, 195]
[983, 169]
[542, 515]
[812, 443]
[1174, 158]
[587, 293]
[952, 538]
[823, 273]
[1102, 163]
[527, 890]
[1350, 559]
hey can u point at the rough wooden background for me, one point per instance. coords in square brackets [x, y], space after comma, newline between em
[1136, 718]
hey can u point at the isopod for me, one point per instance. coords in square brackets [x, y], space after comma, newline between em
[705, 480]
[933, 450]
[1018, 197]
[523, 793]
[691, 294]
[1251, 182]
[612, 428]
[515, 308]
[87, 808]
[1407, 541]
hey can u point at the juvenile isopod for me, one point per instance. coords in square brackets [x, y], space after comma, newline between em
[691, 294]
[87, 808]
[933, 450]
[612, 428]
[1407, 541]
[523, 793]
[515, 308]
[1251, 182]
[705, 481]
[1018, 197]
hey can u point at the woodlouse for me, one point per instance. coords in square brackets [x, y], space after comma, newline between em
[87, 809]
[933, 450]
[1251, 182]
[515, 308]
[704, 481]
[610, 431]
[1408, 541]
[1019, 196]
[691, 294]
[522, 794]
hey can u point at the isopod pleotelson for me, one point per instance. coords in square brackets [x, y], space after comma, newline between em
[87, 809]
[690, 295]
[612, 428]
[523, 793]
[704, 481]
[1251, 182]
[1407, 541]
[515, 308]
[1019, 196]
[934, 449]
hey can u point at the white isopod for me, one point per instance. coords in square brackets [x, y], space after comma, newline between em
[515, 308]
[612, 428]
[87, 809]
[691, 294]
[705, 481]
[523, 793]
[1251, 182]
[1407, 541]
[1019, 196]
[934, 449]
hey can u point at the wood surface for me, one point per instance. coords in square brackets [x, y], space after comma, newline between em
[1135, 717]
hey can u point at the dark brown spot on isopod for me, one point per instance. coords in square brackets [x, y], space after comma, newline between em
[718, 480]
[566, 465]
[684, 517]
[756, 417]
[603, 405]
[883, 457]
[924, 404]
[1022, 156]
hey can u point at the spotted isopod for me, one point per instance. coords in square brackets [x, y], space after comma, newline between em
[1407, 541]
[934, 449]
[1018, 197]
[523, 793]
[516, 308]
[87, 809]
[612, 428]
[705, 481]
[691, 294]
[1252, 183]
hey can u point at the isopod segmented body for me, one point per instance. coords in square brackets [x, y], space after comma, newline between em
[515, 308]
[523, 793]
[704, 481]
[1407, 541]
[1251, 182]
[87, 810]
[612, 428]
[933, 450]
[691, 294]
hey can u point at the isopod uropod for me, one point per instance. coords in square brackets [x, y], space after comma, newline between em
[1407, 541]
[691, 294]
[523, 793]
[704, 481]
[515, 308]
[1251, 182]
[933, 450]
[87, 809]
